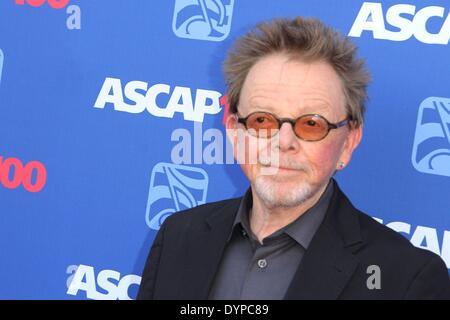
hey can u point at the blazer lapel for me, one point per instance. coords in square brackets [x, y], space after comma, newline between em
[204, 251]
[328, 264]
[324, 271]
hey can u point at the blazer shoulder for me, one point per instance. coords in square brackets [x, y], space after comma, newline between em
[420, 273]
[393, 245]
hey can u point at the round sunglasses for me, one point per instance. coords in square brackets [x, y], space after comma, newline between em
[308, 127]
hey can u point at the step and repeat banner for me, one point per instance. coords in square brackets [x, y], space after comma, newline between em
[111, 119]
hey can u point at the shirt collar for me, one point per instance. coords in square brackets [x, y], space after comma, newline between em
[302, 229]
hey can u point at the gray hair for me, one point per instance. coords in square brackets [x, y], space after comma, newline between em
[307, 40]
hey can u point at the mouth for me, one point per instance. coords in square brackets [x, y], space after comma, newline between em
[286, 169]
[290, 172]
[281, 169]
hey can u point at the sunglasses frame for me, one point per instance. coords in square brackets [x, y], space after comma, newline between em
[293, 121]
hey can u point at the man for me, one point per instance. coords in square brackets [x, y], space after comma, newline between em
[296, 87]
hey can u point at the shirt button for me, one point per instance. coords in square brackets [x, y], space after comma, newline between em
[262, 263]
[244, 233]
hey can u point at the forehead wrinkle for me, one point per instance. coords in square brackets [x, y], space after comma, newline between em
[299, 99]
[283, 90]
[295, 110]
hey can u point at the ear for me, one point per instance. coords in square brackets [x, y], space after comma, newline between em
[235, 135]
[351, 143]
[231, 125]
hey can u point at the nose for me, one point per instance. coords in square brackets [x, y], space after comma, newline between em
[288, 139]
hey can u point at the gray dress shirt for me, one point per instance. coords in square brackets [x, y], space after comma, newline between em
[251, 270]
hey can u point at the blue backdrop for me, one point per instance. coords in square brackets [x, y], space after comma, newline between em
[101, 100]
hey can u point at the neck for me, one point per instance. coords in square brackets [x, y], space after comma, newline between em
[265, 220]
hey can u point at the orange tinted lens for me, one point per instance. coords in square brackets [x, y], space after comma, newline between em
[311, 128]
[262, 124]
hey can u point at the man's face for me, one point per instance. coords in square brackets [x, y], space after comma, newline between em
[289, 89]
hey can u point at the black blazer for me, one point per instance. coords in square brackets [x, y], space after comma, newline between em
[187, 251]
